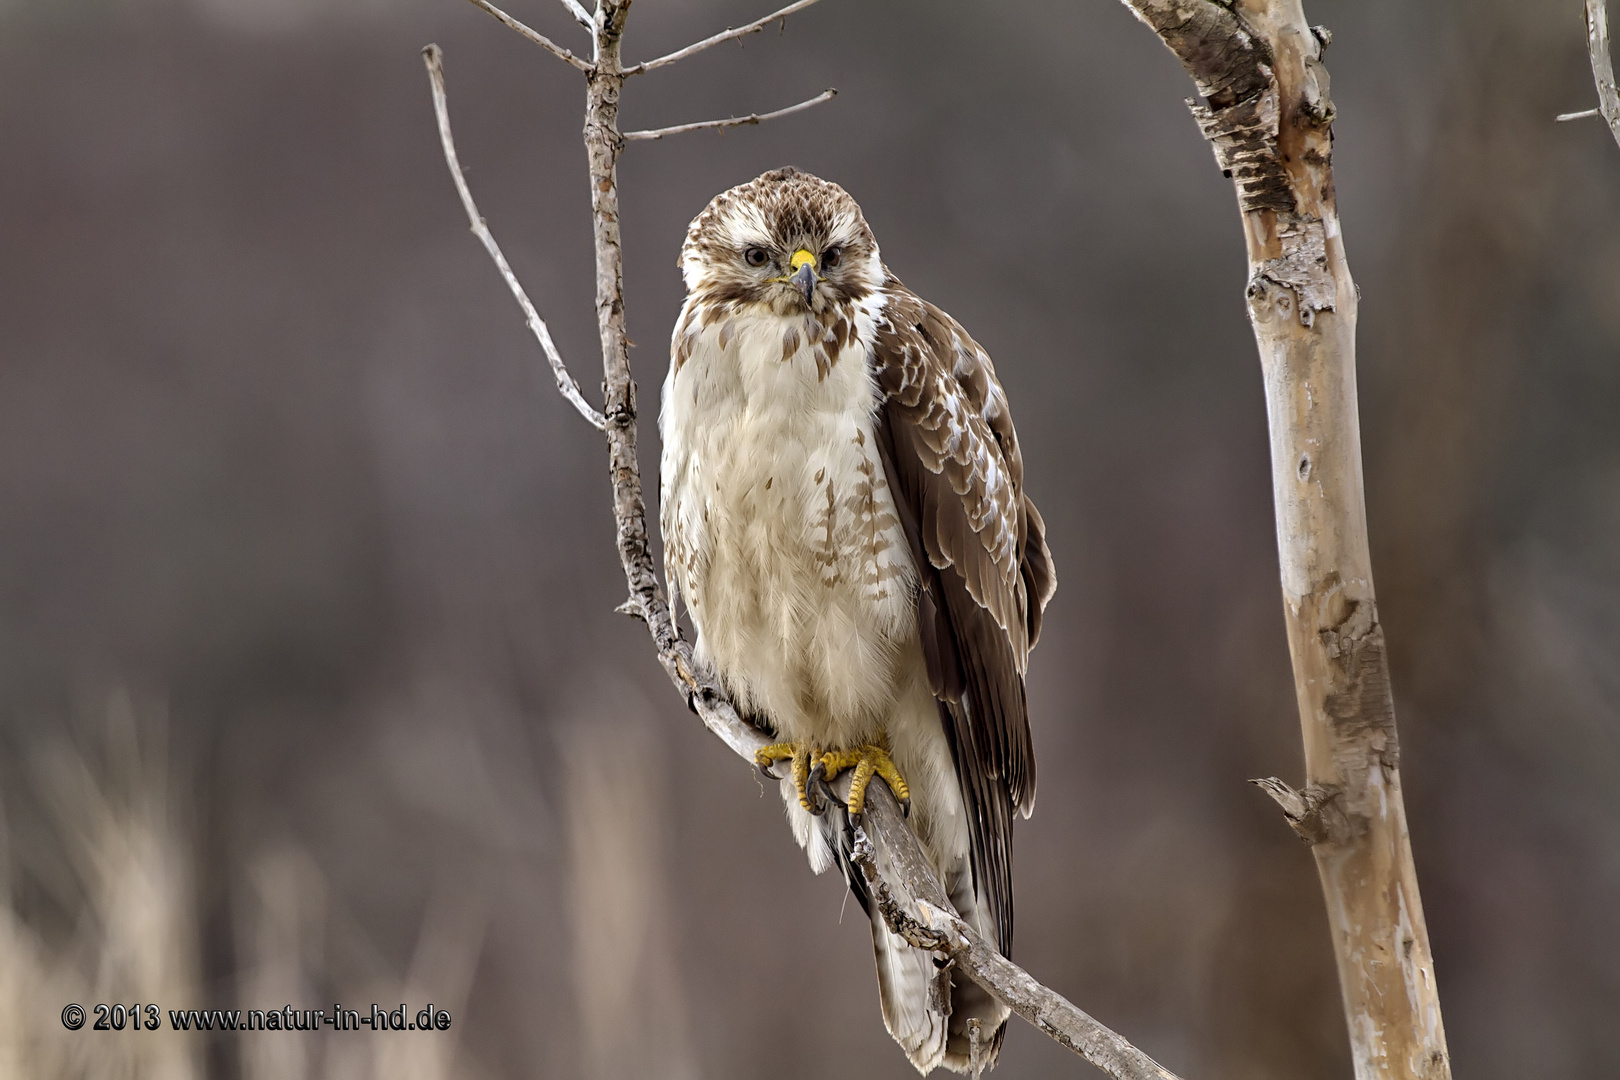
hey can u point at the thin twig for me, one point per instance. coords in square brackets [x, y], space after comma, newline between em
[580, 15]
[1564, 118]
[534, 35]
[1597, 45]
[433, 57]
[735, 121]
[742, 31]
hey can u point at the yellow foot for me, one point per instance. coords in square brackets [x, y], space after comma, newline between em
[868, 761]
[800, 754]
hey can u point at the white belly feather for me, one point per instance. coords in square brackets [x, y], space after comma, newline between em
[782, 540]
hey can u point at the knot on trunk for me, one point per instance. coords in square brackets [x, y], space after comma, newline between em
[1299, 278]
[1312, 813]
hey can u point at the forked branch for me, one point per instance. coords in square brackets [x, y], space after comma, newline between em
[735, 121]
[566, 385]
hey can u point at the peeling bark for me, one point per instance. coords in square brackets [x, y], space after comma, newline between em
[1269, 120]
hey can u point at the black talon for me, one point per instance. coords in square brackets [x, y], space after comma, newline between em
[905, 807]
[765, 771]
[824, 788]
[814, 785]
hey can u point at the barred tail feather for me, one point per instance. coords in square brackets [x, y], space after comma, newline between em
[905, 983]
[969, 1000]
[907, 976]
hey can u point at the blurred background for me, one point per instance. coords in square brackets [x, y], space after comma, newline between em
[310, 686]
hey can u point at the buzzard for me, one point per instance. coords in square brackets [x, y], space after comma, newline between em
[845, 521]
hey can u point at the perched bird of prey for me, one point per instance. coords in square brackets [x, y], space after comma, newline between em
[844, 517]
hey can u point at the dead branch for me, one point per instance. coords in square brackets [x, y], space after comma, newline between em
[726, 35]
[534, 35]
[566, 385]
[1310, 813]
[914, 878]
[735, 121]
[1267, 114]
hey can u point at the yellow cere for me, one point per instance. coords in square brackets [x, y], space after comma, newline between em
[801, 257]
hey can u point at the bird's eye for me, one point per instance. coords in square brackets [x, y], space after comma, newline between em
[830, 257]
[755, 256]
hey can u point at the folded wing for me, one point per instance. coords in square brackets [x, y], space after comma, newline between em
[953, 464]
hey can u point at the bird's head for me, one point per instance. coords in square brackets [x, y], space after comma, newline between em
[787, 240]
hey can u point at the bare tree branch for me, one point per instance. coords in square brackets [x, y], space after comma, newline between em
[433, 57]
[580, 15]
[1267, 114]
[736, 121]
[1597, 46]
[534, 35]
[1584, 114]
[742, 31]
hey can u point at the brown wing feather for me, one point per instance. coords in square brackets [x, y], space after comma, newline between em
[952, 460]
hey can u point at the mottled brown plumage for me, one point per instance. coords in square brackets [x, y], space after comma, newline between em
[844, 517]
[980, 548]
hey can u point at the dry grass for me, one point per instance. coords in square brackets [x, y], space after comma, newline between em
[116, 819]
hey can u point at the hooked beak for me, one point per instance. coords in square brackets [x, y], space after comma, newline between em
[804, 273]
[805, 281]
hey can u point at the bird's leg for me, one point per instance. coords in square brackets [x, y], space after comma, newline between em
[800, 754]
[868, 760]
